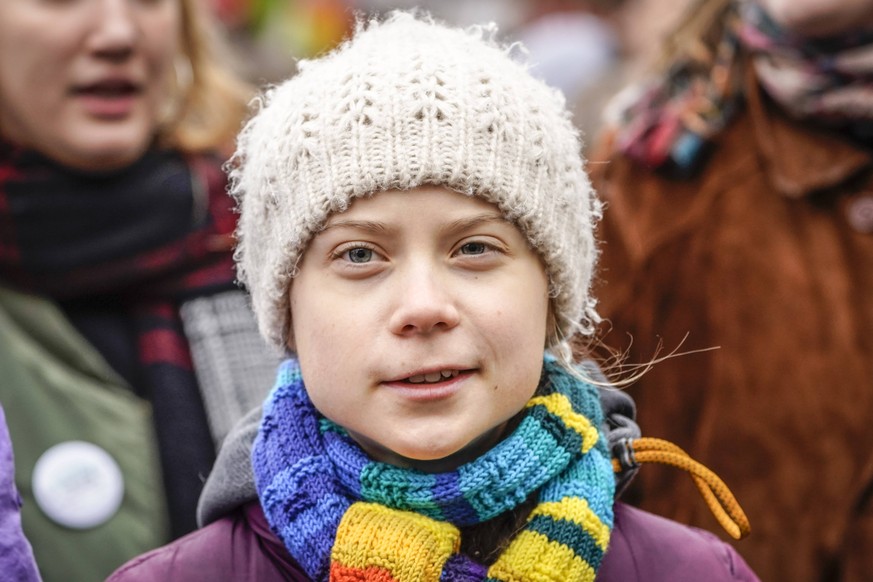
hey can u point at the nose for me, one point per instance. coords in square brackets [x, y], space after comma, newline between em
[115, 29]
[424, 305]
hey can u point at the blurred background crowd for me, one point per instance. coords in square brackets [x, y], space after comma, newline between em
[587, 48]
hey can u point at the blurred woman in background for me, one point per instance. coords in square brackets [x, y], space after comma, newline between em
[116, 278]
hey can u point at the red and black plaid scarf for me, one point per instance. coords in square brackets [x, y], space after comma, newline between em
[146, 238]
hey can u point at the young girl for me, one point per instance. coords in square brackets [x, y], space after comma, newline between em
[416, 227]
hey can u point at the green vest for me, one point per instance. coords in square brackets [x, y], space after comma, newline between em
[56, 388]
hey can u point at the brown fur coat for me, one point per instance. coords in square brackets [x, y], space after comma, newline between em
[764, 254]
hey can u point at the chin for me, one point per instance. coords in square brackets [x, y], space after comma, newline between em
[108, 146]
[441, 457]
[106, 157]
[416, 453]
[431, 453]
[438, 458]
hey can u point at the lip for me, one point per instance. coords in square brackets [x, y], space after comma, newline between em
[108, 98]
[435, 369]
[429, 392]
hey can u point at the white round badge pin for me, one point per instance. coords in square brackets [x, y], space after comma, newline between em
[78, 484]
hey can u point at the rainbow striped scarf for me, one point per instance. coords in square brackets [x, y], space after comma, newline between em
[345, 517]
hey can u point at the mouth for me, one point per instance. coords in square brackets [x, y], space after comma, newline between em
[432, 377]
[108, 89]
[431, 385]
[110, 99]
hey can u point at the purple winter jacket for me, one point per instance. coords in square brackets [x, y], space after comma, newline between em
[16, 555]
[241, 547]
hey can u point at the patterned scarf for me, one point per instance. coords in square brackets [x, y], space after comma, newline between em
[143, 239]
[668, 123]
[345, 517]
[829, 80]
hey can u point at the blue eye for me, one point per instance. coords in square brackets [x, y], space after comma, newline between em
[473, 248]
[360, 255]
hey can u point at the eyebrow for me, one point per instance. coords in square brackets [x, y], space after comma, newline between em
[367, 225]
[474, 221]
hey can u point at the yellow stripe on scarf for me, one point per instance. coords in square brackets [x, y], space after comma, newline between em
[412, 547]
[532, 556]
[560, 406]
[578, 511]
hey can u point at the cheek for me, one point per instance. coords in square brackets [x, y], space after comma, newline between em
[161, 46]
[315, 317]
[533, 303]
[32, 89]
[519, 365]
[318, 362]
[29, 56]
[519, 319]
[524, 326]
[322, 329]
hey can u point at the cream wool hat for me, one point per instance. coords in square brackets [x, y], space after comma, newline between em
[408, 102]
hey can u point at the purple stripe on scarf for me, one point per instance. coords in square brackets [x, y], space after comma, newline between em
[460, 568]
[459, 510]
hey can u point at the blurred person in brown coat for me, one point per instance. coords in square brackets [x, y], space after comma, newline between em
[739, 214]
[116, 277]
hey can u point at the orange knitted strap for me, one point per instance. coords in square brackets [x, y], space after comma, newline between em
[718, 497]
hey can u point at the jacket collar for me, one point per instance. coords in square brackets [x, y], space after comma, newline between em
[799, 158]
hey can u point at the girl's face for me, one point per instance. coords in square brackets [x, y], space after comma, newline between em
[419, 318]
[818, 18]
[85, 81]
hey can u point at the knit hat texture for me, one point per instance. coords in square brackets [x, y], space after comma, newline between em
[408, 102]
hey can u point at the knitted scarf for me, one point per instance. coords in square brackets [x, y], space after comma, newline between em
[668, 123]
[143, 240]
[345, 517]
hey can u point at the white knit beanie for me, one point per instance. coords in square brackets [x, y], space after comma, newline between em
[408, 102]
